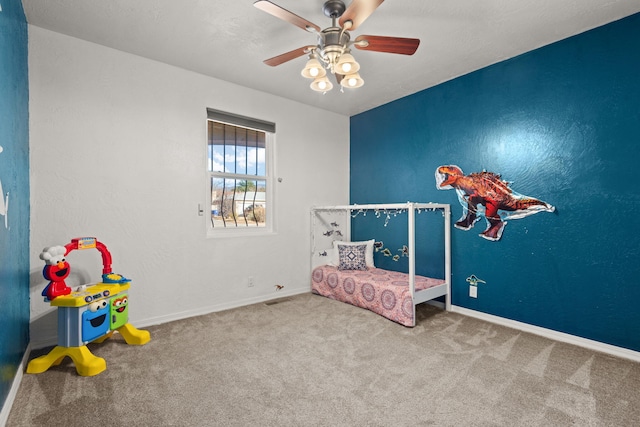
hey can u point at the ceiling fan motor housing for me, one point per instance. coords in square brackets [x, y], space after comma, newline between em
[332, 43]
[333, 8]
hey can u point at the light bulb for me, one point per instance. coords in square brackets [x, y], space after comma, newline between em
[321, 84]
[314, 72]
[352, 80]
[346, 67]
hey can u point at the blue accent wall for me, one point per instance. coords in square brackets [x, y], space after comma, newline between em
[562, 123]
[14, 176]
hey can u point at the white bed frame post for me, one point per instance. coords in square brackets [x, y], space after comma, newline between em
[446, 212]
[447, 255]
[411, 244]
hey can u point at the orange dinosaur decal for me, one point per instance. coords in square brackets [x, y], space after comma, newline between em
[485, 193]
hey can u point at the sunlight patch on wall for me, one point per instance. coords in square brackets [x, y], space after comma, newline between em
[4, 203]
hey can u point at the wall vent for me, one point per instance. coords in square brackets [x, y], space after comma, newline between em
[277, 301]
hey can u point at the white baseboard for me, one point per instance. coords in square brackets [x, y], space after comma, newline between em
[216, 308]
[551, 334]
[13, 392]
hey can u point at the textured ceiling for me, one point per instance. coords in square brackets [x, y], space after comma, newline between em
[230, 39]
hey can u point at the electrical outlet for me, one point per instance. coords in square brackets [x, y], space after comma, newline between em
[473, 291]
[250, 281]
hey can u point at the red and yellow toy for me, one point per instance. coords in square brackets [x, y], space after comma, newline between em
[88, 314]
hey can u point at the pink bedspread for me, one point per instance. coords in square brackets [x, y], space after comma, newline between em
[381, 291]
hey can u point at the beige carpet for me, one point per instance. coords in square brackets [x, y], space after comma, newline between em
[311, 361]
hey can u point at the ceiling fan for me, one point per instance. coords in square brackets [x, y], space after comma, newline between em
[332, 51]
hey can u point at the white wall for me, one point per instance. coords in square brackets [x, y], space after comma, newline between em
[117, 151]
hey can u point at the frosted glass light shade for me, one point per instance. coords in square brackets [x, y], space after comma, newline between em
[313, 69]
[321, 84]
[352, 81]
[347, 64]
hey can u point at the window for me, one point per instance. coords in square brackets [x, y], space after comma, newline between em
[239, 152]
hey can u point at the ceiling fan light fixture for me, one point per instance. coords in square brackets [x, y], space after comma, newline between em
[332, 51]
[321, 84]
[352, 81]
[313, 69]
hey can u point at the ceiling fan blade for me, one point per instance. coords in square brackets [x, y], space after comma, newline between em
[358, 11]
[281, 59]
[285, 15]
[401, 45]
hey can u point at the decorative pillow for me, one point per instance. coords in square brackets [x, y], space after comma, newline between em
[352, 257]
[368, 252]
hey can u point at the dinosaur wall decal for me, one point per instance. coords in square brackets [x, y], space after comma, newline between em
[485, 194]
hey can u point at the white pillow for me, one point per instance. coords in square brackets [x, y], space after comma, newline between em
[368, 256]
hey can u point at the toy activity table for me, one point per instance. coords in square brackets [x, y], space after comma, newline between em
[88, 314]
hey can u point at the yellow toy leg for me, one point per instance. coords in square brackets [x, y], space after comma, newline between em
[133, 336]
[42, 363]
[86, 363]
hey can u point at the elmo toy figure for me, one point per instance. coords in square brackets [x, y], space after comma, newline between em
[56, 270]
